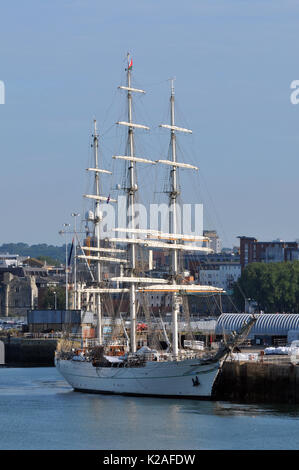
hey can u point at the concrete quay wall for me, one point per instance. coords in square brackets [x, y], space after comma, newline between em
[257, 382]
[28, 352]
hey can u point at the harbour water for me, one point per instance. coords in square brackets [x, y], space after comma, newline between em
[40, 411]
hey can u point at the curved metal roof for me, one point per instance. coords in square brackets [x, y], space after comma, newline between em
[267, 324]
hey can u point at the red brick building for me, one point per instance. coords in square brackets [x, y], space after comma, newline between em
[253, 251]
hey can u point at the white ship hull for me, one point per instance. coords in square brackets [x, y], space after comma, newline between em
[163, 379]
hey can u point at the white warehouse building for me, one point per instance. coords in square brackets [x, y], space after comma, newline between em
[222, 275]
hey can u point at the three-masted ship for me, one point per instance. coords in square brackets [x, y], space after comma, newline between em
[172, 372]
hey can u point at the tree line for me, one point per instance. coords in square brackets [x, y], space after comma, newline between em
[39, 251]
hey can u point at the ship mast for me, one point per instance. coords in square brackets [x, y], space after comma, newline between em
[173, 227]
[131, 200]
[96, 250]
[131, 190]
[97, 219]
[173, 194]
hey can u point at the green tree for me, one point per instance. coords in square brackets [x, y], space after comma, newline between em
[273, 286]
[48, 301]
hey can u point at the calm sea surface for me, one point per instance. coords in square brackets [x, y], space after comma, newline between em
[39, 410]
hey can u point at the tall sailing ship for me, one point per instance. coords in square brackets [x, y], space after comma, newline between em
[116, 365]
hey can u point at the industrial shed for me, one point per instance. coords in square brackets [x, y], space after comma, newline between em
[270, 328]
[71, 321]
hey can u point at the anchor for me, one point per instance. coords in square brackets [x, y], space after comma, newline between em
[195, 382]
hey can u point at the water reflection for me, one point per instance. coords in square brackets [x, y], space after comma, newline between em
[224, 409]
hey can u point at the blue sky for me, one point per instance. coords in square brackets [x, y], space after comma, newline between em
[234, 61]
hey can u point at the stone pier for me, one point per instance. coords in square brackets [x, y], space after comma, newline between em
[259, 382]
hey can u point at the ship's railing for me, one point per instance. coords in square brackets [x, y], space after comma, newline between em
[193, 344]
[92, 342]
[55, 335]
[161, 357]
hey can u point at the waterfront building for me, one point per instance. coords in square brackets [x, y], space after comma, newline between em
[221, 274]
[23, 286]
[6, 260]
[253, 251]
[215, 242]
[17, 294]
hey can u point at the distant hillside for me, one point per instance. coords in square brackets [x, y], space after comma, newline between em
[35, 251]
